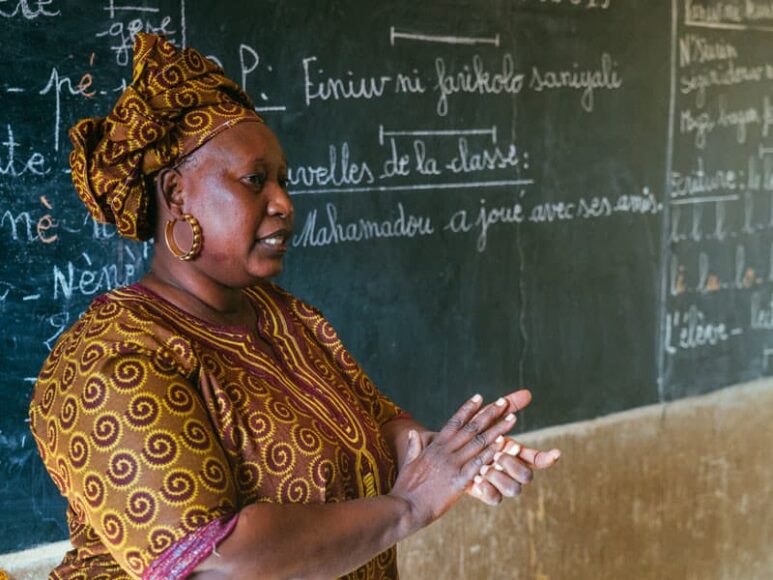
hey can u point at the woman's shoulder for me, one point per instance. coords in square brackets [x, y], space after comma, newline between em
[125, 321]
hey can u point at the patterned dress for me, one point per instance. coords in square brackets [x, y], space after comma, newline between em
[158, 427]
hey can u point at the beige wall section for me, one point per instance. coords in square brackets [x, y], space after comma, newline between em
[679, 491]
[671, 492]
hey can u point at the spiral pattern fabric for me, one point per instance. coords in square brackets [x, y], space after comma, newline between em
[155, 425]
[177, 100]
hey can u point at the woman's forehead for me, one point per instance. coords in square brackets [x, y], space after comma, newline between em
[243, 143]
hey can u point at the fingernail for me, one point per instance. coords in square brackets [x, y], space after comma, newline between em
[514, 450]
[500, 439]
[477, 398]
[498, 467]
[497, 455]
[556, 455]
[510, 417]
[484, 469]
[477, 479]
[500, 402]
[476, 490]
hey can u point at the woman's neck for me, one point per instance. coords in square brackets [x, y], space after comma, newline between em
[198, 294]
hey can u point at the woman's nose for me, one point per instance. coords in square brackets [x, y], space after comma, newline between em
[279, 203]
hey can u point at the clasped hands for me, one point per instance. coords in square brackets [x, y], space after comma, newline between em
[513, 465]
[471, 454]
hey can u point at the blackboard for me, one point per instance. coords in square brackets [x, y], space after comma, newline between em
[572, 195]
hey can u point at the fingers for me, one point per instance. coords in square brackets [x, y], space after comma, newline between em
[518, 400]
[460, 418]
[414, 446]
[493, 434]
[511, 467]
[471, 419]
[539, 459]
[504, 484]
[472, 466]
[485, 491]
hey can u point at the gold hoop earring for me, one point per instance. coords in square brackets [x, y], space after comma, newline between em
[172, 244]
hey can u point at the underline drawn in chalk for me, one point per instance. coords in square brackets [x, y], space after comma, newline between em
[112, 8]
[763, 151]
[437, 133]
[269, 109]
[31, 297]
[705, 199]
[418, 187]
[394, 34]
[727, 25]
[14, 90]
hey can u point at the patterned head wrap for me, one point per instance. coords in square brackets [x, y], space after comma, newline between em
[177, 100]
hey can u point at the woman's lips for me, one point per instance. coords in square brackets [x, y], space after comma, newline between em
[276, 240]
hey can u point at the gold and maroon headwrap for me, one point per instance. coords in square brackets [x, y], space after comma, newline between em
[177, 100]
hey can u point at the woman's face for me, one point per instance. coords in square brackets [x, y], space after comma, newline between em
[235, 185]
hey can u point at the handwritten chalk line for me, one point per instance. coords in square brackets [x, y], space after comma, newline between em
[66, 170]
[436, 133]
[705, 199]
[736, 331]
[766, 353]
[112, 8]
[30, 379]
[465, 40]
[31, 297]
[727, 26]
[183, 25]
[417, 187]
[762, 150]
[274, 108]
[14, 90]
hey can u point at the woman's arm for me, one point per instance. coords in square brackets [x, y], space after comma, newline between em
[309, 541]
[324, 541]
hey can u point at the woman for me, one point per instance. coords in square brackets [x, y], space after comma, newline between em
[204, 421]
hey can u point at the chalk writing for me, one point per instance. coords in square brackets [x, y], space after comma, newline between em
[84, 277]
[34, 164]
[588, 4]
[698, 49]
[586, 82]
[59, 84]
[475, 78]
[27, 9]
[690, 329]
[337, 88]
[122, 33]
[329, 229]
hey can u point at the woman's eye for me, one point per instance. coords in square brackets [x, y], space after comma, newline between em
[257, 180]
[284, 182]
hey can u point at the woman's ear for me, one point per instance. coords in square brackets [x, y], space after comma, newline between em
[170, 187]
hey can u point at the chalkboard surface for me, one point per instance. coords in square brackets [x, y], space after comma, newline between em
[573, 195]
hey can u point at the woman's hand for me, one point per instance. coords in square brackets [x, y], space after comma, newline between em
[511, 469]
[434, 477]
[513, 466]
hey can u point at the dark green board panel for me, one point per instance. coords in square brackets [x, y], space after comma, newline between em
[570, 195]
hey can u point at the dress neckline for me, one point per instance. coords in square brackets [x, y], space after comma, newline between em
[239, 329]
